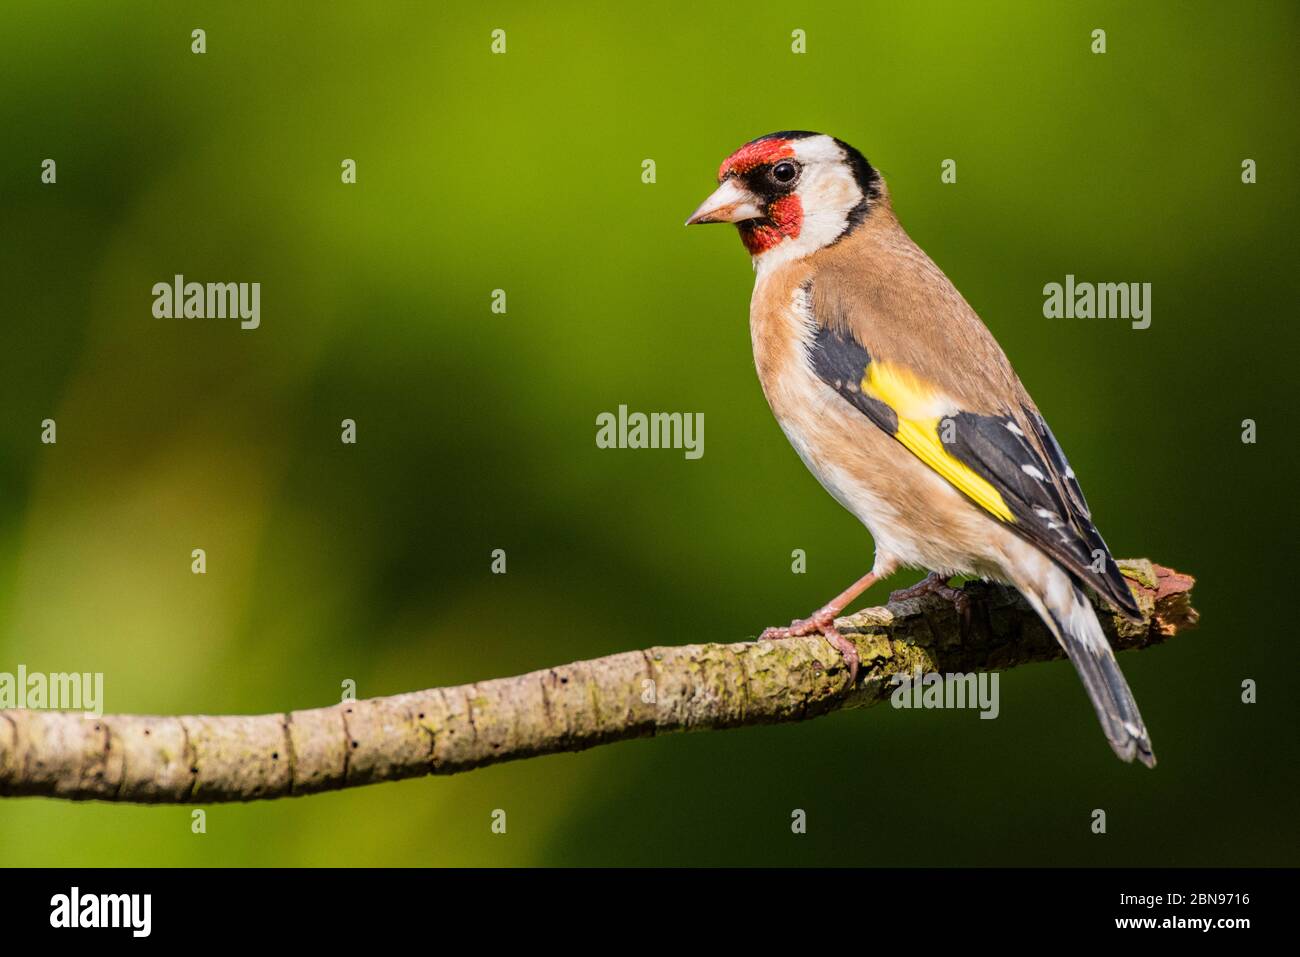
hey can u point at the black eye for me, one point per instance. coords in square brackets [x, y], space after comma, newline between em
[785, 173]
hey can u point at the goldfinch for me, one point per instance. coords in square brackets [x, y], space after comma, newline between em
[901, 403]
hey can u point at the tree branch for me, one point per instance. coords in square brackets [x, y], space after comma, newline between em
[199, 759]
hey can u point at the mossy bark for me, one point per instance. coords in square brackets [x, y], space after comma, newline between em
[199, 759]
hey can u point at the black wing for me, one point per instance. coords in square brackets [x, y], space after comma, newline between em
[1039, 489]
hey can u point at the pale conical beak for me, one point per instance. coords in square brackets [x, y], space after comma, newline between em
[730, 203]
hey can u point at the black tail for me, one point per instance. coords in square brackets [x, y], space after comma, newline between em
[1079, 632]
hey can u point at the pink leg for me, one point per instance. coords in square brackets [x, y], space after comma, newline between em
[822, 621]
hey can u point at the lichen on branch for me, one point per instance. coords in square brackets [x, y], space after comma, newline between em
[197, 759]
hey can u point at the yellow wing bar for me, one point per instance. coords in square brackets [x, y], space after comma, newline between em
[916, 404]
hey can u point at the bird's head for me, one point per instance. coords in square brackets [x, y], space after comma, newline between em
[792, 193]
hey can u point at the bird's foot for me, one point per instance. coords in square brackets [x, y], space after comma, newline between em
[936, 584]
[820, 622]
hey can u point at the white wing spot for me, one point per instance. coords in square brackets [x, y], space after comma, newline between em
[1033, 472]
[1015, 429]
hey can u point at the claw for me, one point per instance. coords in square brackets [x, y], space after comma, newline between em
[822, 623]
[937, 584]
[846, 648]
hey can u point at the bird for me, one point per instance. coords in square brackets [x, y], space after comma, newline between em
[899, 400]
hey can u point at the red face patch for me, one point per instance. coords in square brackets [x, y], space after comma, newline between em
[785, 219]
[754, 154]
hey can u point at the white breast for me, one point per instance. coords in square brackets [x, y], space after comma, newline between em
[817, 421]
[915, 516]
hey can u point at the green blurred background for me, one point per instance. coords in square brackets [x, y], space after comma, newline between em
[476, 431]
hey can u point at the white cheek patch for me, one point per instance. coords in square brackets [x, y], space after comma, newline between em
[827, 193]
